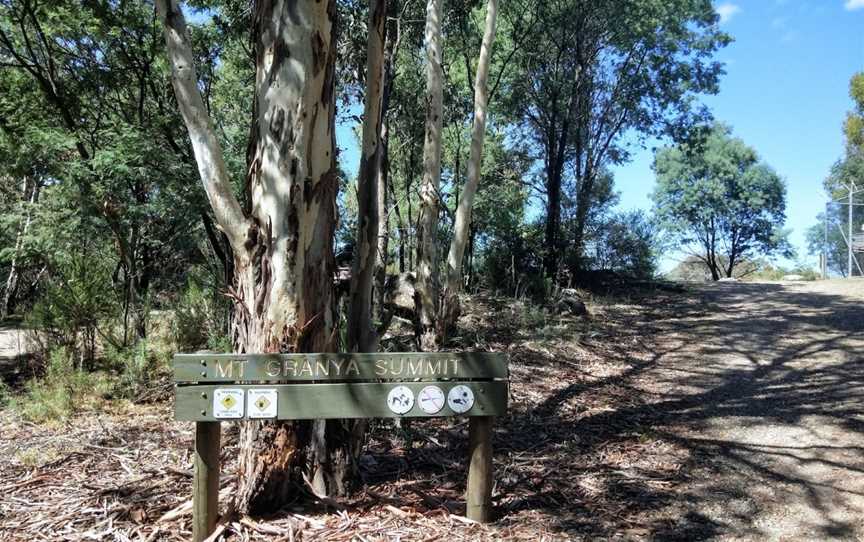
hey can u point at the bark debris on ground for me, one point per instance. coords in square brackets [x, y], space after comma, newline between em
[728, 411]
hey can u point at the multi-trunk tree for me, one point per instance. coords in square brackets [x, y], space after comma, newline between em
[282, 238]
[716, 198]
[596, 71]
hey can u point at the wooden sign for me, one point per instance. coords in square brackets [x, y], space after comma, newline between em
[215, 388]
[197, 368]
[220, 387]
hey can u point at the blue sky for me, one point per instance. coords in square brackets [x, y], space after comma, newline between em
[785, 93]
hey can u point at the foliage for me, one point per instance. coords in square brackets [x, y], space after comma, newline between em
[586, 75]
[625, 243]
[715, 197]
[768, 271]
[5, 394]
[77, 306]
[854, 126]
[135, 366]
[64, 389]
[95, 161]
[845, 173]
[200, 319]
[835, 247]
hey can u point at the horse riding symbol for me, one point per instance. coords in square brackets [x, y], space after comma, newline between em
[400, 400]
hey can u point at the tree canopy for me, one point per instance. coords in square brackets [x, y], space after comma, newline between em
[716, 196]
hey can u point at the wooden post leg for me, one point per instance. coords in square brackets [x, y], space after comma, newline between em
[480, 477]
[205, 485]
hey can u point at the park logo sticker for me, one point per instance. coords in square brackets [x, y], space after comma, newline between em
[228, 403]
[262, 403]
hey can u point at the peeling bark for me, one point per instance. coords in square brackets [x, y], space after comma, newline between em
[361, 332]
[450, 308]
[427, 230]
[283, 243]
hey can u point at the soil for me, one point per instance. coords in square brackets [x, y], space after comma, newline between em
[728, 411]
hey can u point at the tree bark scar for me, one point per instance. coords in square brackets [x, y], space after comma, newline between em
[251, 236]
[265, 272]
[319, 55]
[277, 122]
[307, 191]
[293, 227]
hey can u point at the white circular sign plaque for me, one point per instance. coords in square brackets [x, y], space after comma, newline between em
[400, 400]
[431, 399]
[460, 399]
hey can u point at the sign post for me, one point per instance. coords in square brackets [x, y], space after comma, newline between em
[212, 388]
[205, 484]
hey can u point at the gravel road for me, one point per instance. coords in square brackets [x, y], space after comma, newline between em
[765, 385]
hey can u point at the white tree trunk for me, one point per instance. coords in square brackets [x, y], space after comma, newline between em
[427, 230]
[283, 248]
[361, 334]
[475, 161]
[205, 146]
[29, 195]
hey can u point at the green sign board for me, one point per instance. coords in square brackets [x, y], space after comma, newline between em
[226, 387]
[214, 388]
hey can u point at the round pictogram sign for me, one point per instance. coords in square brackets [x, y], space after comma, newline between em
[400, 400]
[460, 399]
[431, 399]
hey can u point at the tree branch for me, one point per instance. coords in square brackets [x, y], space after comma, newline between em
[208, 152]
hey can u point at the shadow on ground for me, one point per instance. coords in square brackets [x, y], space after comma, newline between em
[661, 448]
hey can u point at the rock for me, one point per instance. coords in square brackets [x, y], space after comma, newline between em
[728, 279]
[399, 292]
[793, 277]
[570, 302]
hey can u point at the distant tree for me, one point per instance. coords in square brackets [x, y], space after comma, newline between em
[716, 198]
[853, 129]
[594, 72]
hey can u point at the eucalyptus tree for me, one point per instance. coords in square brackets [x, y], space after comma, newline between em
[361, 334]
[450, 307]
[597, 71]
[282, 239]
[719, 201]
[427, 284]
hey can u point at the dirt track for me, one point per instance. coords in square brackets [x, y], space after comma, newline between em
[728, 411]
[766, 387]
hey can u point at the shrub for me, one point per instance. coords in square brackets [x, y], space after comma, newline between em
[200, 319]
[76, 302]
[134, 365]
[5, 394]
[63, 389]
